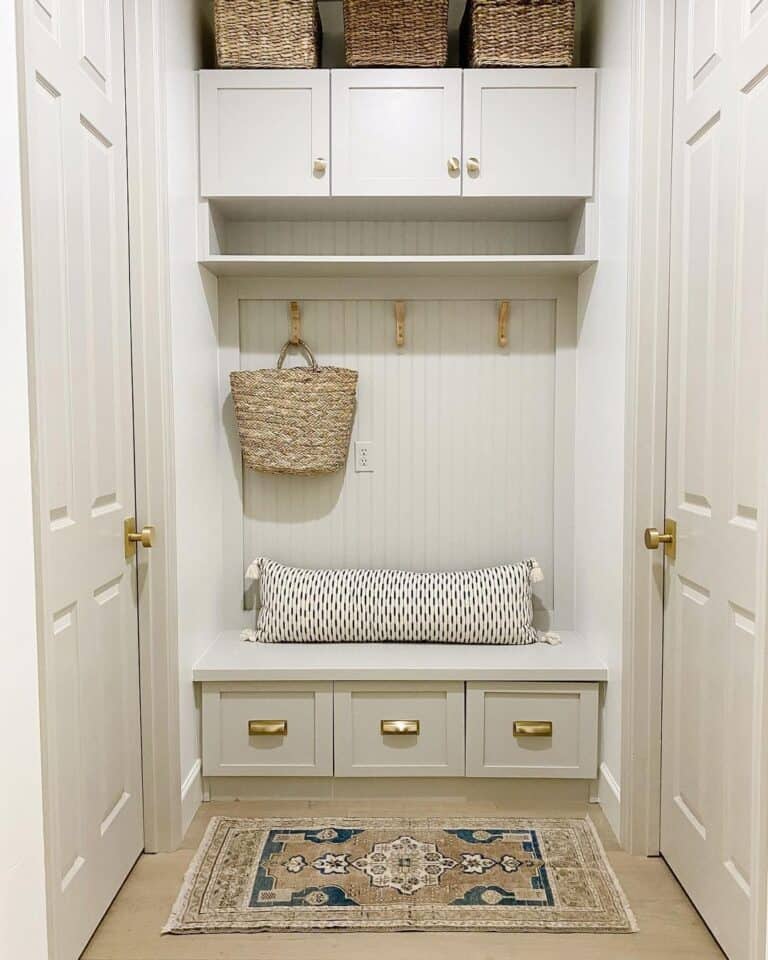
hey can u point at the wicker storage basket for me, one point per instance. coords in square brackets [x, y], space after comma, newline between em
[295, 421]
[267, 33]
[396, 33]
[518, 33]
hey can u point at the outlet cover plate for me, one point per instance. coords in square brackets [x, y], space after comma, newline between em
[363, 456]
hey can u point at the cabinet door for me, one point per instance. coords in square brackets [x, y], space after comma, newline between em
[264, 133]
[529, 133]
[396, 133]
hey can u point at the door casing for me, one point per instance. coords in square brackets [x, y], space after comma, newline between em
[153, 418]
[648, 322]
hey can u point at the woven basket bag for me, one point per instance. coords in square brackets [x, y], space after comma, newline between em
[396, 33]
[295, 421]
[267, 33]
[518, 33]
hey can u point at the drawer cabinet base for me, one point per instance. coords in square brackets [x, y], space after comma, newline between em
[400, 729]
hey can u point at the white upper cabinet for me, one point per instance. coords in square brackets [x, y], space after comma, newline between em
[396, 133]
[264, 133]
[529, 133]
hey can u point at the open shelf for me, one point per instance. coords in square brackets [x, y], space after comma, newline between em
[547, 265]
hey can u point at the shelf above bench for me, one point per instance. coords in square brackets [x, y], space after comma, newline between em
[397, 266]
[231, 659]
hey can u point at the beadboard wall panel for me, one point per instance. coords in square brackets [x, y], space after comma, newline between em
[405, 238]
[472, 444]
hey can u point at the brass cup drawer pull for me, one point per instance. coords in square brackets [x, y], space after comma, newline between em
[267, 728]
[532, 728]
[400, 726]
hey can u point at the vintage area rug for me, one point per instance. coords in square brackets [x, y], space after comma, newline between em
[404, 874]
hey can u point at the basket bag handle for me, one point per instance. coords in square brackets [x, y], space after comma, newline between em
[308, 355]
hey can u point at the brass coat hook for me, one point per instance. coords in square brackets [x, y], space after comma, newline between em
[295, 337]
[399, 323]
[503, 319]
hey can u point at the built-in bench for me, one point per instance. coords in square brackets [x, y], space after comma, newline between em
[399, 710]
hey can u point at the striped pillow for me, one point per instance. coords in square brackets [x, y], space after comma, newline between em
[493, 605]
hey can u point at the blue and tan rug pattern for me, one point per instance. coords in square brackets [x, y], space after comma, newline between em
[404, 874]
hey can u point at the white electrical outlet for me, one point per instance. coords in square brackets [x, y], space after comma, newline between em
[363, 456]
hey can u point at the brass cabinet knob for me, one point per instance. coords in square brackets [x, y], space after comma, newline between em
[654, 538]
[132, 536]
[454, 166]
[473, 167]
[319, 166]
[400, 726]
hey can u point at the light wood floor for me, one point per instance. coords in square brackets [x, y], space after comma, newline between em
[670, 929]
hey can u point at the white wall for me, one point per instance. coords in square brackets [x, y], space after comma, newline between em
[195, 383]
[22, 872]
[599, 473]
[465, 445]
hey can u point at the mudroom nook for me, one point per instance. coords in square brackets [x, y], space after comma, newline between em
[386, 450]
[471, 428]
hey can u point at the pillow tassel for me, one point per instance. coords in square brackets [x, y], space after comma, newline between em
[249, 635]
[553, 639]
[537, 575]
[254, 570]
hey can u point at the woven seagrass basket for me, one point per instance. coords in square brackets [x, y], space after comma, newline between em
[295, 421]
[518, 33]
[396, 33]
[267, 33]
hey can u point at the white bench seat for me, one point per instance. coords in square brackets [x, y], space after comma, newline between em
[229, 659]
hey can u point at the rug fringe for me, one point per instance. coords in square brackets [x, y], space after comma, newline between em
[612, 873]
[174, 920]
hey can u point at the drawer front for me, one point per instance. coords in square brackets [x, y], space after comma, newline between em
[532, 730]
[399, 729]
[267, 729]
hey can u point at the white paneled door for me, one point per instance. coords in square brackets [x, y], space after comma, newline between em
[714, 650]
[78, 227]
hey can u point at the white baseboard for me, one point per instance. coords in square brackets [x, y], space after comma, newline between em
[517, 797]
[191, 795]
[609, 797]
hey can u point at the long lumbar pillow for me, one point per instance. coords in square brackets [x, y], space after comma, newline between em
[493, 605]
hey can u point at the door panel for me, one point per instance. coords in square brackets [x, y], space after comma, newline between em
[530, 131]
[81, 351]
[395, 131]
[713, 656]
[262, 131]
